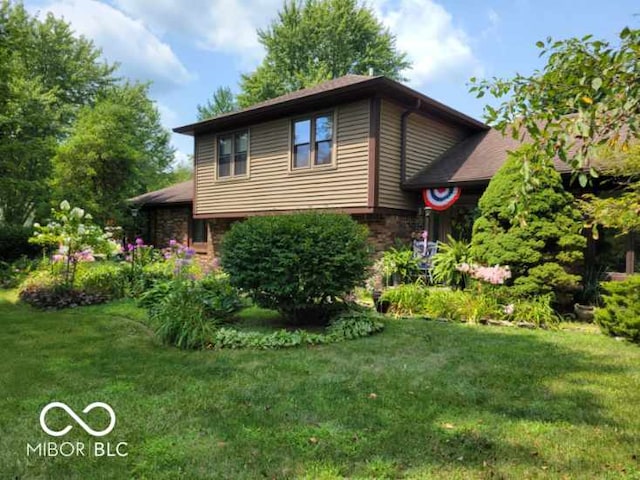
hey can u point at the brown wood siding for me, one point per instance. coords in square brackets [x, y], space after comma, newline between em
[426, 139]
[272, 186]
[389, 193]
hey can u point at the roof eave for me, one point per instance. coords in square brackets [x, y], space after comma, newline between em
[375, 86]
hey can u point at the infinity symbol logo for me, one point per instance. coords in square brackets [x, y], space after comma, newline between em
[77, 419]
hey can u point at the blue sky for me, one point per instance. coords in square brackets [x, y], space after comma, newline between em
[189, 48]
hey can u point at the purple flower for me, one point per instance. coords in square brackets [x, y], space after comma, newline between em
[130, 248]
[139, 241]
[172, 243]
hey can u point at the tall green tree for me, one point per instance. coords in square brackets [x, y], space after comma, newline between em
[117, 149]
[316, 40]
[46, 76]
[572, 108]
[222, 101]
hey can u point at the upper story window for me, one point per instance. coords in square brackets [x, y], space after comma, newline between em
[232, 154]
[313, 141]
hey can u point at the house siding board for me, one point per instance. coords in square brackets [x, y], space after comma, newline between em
[272, 186]
[426, 139]
[390, 195]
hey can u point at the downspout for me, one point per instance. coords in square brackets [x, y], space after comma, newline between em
[403, 140]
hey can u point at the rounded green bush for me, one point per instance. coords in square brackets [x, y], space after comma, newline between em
[620, 315]
[542, 253]
[297, 264]
[103, 278]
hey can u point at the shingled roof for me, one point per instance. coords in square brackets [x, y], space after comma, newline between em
[347, 88]
[472, 161]
[180, 193]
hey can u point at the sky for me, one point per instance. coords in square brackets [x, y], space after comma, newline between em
[188, 48]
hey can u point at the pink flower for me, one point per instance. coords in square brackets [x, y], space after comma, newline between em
[495, 275]
[139, 241]
[172, 243]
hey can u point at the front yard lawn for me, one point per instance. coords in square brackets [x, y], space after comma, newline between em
[421, 400]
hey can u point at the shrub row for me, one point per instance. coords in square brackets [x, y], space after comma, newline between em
[58, 296]
[348, 326]
[467, 306]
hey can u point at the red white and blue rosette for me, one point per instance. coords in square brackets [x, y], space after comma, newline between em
[441, 198]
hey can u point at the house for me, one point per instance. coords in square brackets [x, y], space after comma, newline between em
[364, 145]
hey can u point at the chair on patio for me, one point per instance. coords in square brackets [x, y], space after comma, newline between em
[425, 255]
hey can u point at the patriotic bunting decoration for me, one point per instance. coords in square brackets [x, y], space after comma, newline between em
[440, 198]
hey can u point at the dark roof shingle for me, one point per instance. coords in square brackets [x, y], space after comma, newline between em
[341, 89]
[473, 160]
[178, 193]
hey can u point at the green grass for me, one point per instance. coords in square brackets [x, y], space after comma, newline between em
[421, 400]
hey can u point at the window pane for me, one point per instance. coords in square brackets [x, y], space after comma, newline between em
[224, 166]
[241, 142]
[199, 231]
[240, 167]
[224, 145]
[302, 132]
[323, 153]
[324, 128]
[301, 156]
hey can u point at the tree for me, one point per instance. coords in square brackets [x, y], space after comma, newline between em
[179, 173]
[222, 101]
[620, 209]
[46, 76]
[117, 149]
[318, 40]
[571, 108]
[543, 252]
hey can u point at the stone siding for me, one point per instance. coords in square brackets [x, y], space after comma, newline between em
[173, 223]
[169, 223]
[386, 230]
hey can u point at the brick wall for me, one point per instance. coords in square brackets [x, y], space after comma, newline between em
[169, 223]
[384, 230]
[173, 223]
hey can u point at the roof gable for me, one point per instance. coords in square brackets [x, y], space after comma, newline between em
[344, 89]
[474, 160]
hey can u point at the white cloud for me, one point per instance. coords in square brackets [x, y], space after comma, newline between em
[494, 18]
[142, 55]
[227, 26]
[182, 159]
[168, 117]
[492, 29]
[436, 47]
